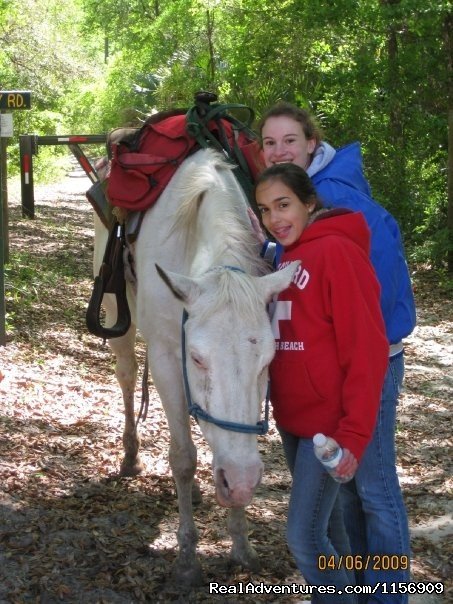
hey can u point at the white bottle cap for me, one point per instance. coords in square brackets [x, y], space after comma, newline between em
[319, 440]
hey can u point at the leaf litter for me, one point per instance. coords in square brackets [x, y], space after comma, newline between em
[72, 531]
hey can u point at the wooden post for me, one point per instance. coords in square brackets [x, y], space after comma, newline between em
[4, 196]
[2, 290]
[9, 100]
[3, 239]
[26, 175]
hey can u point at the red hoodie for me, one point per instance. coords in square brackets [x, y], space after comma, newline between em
[331, 348]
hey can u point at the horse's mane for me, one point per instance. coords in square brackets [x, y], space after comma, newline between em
[233, 241]
[235, 290]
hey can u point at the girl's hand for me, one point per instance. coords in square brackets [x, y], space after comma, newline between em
[256, 226]
[347, 466]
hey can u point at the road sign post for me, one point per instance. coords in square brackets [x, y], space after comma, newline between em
[10, 100]
[3, 244]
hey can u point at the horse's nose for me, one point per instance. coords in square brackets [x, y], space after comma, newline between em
[235, 485]
[222, 479]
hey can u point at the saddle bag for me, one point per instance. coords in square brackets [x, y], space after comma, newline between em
[143, 164]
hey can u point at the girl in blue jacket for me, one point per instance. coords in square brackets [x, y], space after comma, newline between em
[375, 515]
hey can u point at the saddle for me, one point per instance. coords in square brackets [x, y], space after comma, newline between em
[142, 163]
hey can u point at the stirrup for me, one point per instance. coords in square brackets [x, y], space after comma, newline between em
[110, 280]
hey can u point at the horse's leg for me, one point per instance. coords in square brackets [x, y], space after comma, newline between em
[183, 461]
[126, 373]
[242, 553]
[126, 364]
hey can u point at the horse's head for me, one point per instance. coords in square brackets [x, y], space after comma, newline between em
[228, 347]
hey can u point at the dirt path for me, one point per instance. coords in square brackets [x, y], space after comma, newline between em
[71, 531]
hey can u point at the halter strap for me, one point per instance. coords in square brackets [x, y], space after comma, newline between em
[227, 267]
[197, 412]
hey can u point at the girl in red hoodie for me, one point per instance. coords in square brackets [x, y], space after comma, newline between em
[330, 362]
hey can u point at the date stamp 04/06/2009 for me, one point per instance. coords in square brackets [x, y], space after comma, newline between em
[377, 562]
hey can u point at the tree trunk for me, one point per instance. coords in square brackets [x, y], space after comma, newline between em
[210, 34]
[449, 52]
[393, 79]
[396, 123]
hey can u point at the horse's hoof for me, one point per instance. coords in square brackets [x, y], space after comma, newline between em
[248, 560]
[188, 576]
[131, 469]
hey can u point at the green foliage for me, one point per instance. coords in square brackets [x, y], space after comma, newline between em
[43, 53]
[377, 71]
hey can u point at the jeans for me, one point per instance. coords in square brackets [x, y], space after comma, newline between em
[374, 511]
[315, 529]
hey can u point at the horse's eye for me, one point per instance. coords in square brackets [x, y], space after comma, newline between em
[197, 361]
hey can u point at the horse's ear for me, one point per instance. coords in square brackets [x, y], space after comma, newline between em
[183, 288]
[275, 283]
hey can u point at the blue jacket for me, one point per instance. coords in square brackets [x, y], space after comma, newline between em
[341, 183]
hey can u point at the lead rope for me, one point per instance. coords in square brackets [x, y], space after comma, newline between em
[143, 413]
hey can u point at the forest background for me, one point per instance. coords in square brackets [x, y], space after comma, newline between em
[378, 71]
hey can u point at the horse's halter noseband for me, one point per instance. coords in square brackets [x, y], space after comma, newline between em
[197, 412]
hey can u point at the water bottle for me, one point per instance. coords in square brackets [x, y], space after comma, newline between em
[329, 453]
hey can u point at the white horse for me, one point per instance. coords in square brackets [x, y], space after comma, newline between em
[200, 234]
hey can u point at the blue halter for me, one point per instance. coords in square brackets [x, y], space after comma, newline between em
[197, 412]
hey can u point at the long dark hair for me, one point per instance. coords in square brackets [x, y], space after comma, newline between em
[295, 178]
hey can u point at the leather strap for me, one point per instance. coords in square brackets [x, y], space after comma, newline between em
[110, 280]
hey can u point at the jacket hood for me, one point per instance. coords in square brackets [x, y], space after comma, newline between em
[322, 157]
[339, 223]
[347, 169]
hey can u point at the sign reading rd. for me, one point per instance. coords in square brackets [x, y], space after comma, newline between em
[15, 99]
